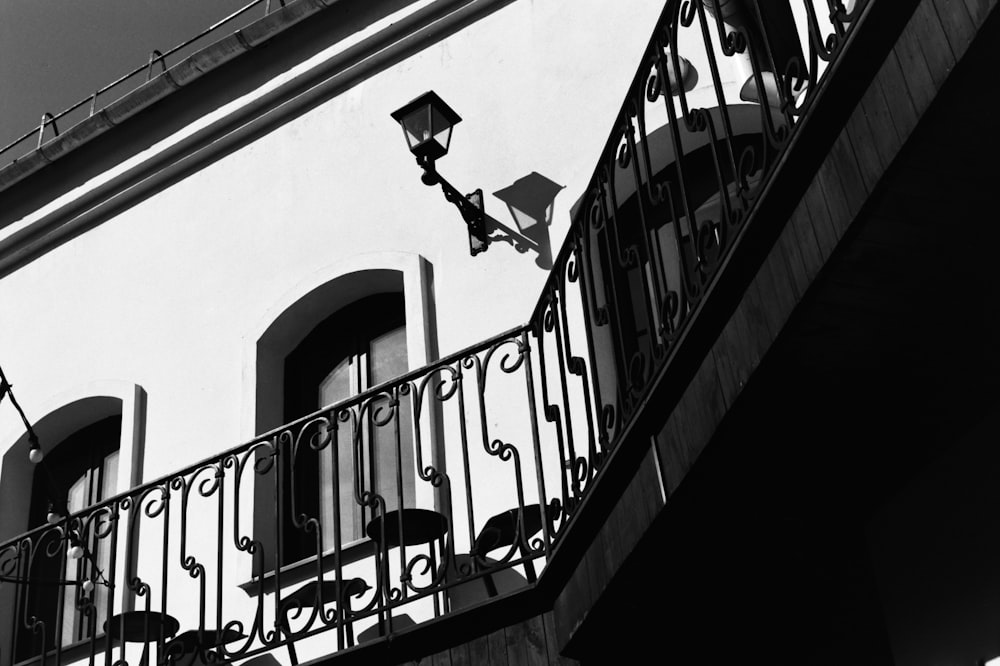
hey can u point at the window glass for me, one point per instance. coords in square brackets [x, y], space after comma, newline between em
[356, 348]
[337, 387]
[388, 355]
[79, 472]
[392, 441]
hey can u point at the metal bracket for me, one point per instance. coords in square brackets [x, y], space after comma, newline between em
[474, 215]
[471, 206]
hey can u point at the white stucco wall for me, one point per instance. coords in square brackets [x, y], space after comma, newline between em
[165, 293]
[172, 293]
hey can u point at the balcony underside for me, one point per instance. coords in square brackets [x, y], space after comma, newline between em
[842, 512]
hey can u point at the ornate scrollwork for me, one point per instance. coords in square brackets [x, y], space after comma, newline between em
[572, 270]
[685, 16]
[317, 433]
[510, 361]
[9, 559]
[624, 158]
[382, 408]
[596, 215]
[54, 539]
[641, 265]
[501, 450]
[637, 373]
[670, 314]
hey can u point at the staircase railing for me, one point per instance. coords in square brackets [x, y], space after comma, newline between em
[453, 484]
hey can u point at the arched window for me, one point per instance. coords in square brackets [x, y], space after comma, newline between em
[92, 436]
[339, 331]
[77, 473]
[360, 346]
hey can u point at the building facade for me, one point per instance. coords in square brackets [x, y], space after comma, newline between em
[277, 410]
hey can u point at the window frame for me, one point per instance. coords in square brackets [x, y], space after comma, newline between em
[347, 335]
[83, 456]
[64, 414]
[283, 325]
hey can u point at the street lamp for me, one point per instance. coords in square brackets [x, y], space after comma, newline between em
[427, 123]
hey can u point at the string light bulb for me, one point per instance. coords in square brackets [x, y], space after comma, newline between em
[88, 586]
[35, 454]
[76, 550]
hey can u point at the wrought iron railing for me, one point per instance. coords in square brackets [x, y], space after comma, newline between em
[490, 451]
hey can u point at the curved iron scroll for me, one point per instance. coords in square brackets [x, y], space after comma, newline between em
[509, 435]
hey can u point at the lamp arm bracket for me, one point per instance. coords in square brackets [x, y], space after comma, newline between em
[520, 243]
[471, 206]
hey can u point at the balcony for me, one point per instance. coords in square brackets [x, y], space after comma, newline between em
[442, 492]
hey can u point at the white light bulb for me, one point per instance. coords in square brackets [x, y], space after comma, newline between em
[35, 455]
[52, 517]
[75, 553]
[88, 586]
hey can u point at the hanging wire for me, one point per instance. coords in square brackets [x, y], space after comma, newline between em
[6, 388]
[35, 453]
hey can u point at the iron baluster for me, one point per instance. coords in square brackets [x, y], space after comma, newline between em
[550, 410]
[165, 554]
[57, 634]
[611, 299]
[661, 210]
[262, 464]
[115, 507]
[691, 119]
[635, 110]
[11, 567]
[189, 562]
[576, 366]
[575, 461]
[593, 316]
[578, 269]
[282, 442]
[341, 616]
[624, 257]
[529, 384]
[466, 468]
[219, 568]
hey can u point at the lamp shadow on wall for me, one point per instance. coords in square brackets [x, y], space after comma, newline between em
[530, 202]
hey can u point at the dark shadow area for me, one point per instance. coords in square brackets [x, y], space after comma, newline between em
[530, 201]
[844, 511]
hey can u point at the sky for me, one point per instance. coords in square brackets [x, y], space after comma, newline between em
[53, 53]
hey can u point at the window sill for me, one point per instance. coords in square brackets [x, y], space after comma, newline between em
[305, 569]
